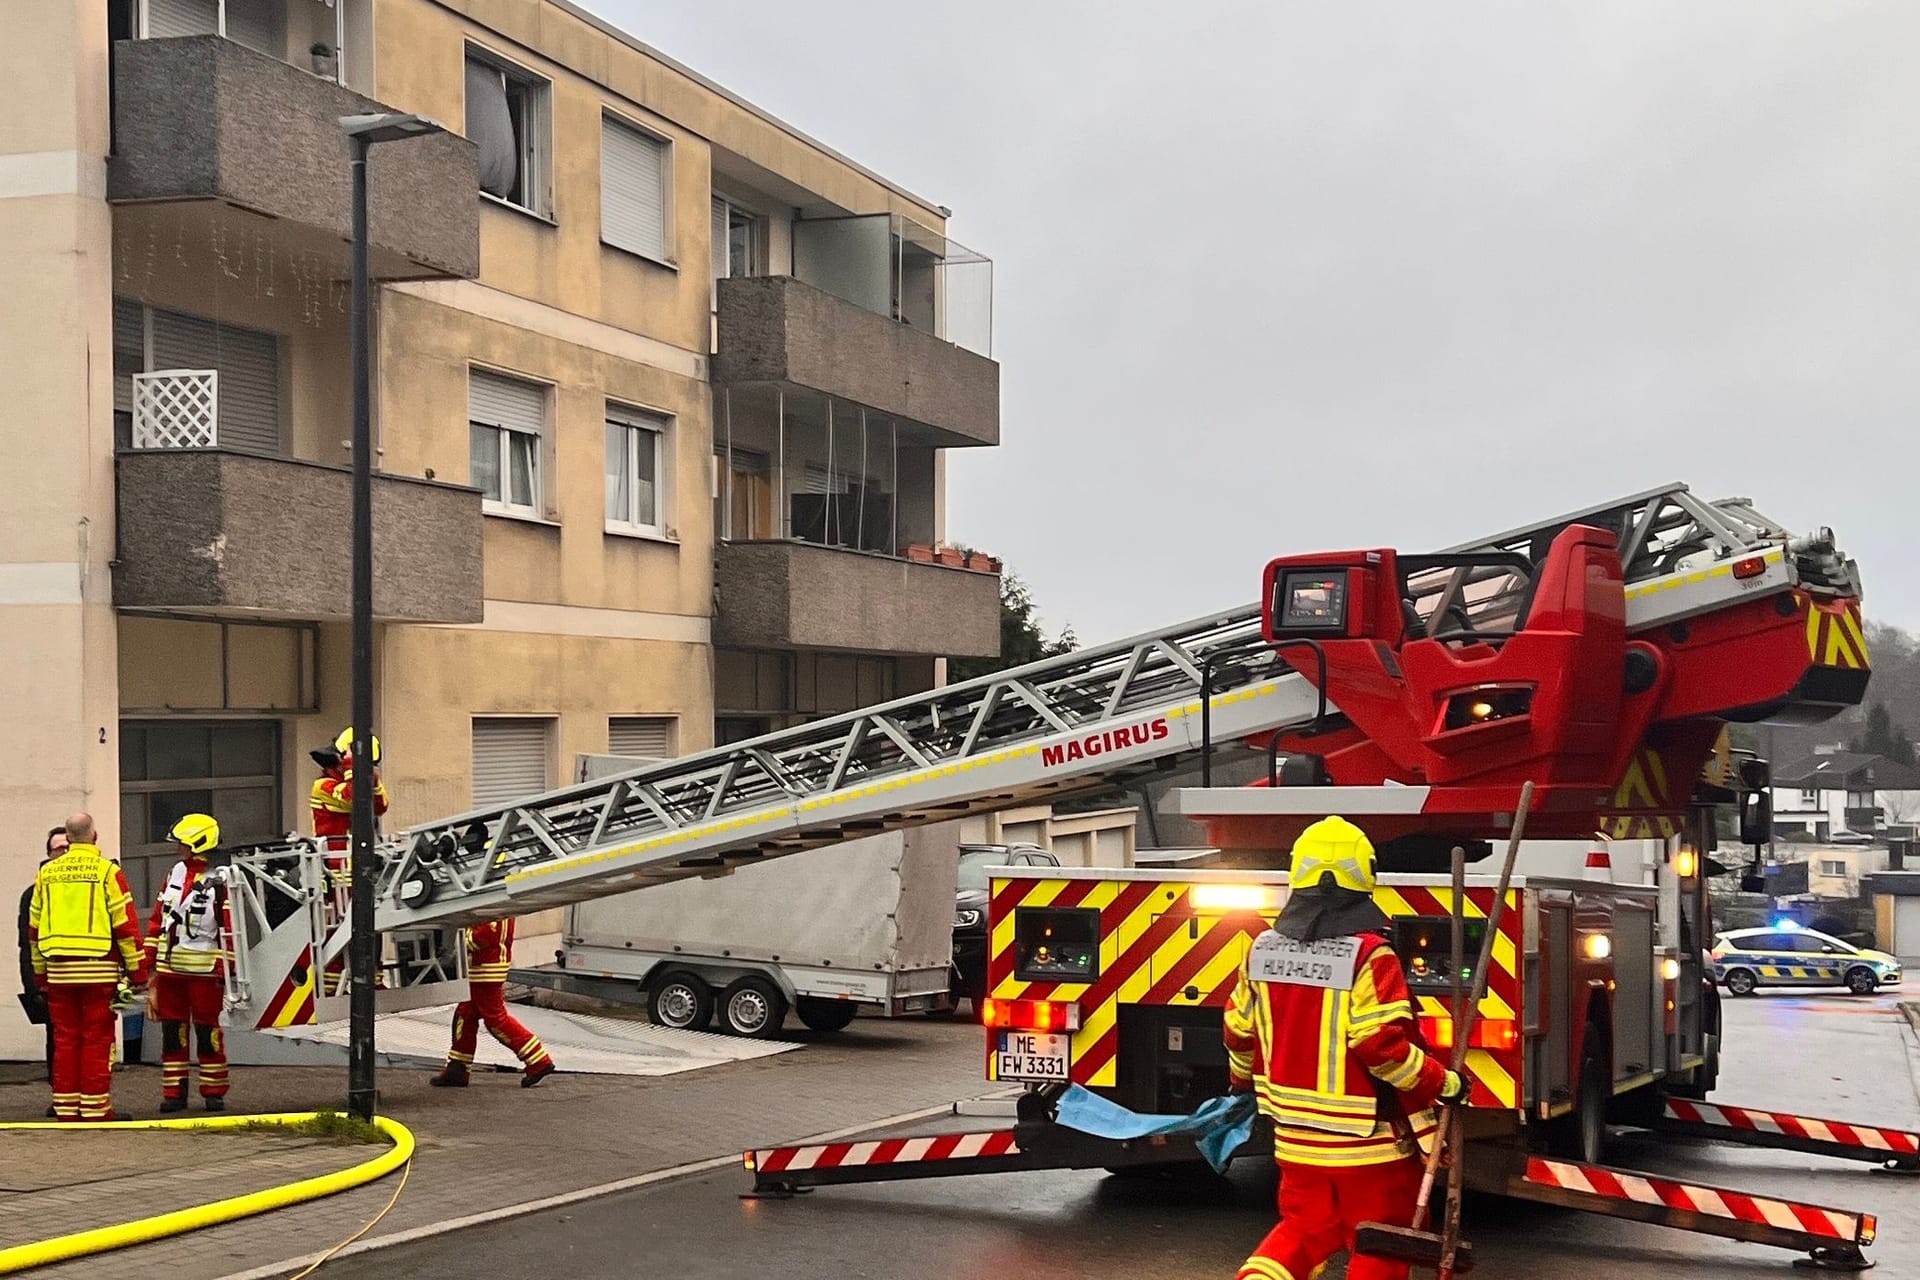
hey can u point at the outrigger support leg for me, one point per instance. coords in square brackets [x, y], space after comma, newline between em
[1831, 1239]
[1839, 1257]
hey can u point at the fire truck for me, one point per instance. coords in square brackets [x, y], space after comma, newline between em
[1599, 657]
[1596, 655]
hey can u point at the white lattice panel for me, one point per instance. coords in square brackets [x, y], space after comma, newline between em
[176, 409]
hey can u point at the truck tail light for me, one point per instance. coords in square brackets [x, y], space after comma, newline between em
[1029, 1015]
[1496, 1034]
[1749, 567]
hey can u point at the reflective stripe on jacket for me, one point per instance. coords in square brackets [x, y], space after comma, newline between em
[489, 951]
[82, 920]
[1318, 1059]
[187, 935]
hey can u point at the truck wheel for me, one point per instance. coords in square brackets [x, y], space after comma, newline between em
[753, 1007]
[680, 1000]
[1590, 1116]
[1860, 980]
[1582, 1134]
[1741, 982]
[825, 1015]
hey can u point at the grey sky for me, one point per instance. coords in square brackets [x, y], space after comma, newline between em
[1276, 277]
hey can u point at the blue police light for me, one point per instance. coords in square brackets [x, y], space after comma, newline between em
[1786, 926]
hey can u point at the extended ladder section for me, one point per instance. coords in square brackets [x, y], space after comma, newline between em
[1063, 724]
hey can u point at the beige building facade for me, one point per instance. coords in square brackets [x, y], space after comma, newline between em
[662, 394]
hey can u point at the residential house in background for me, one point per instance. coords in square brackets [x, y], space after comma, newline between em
[663, 393]
[1836, 792]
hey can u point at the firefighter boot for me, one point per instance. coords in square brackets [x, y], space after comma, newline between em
[536, 1073]
[215, 1104]
[170, 1105]
[452, 1076]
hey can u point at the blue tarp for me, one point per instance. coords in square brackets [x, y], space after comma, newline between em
[1218, 1128]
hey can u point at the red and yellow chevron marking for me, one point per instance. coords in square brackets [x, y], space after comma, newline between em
[1155, 947]
[1835, 638]
[1495, 1073]
[292, 1004]
[1643, 786]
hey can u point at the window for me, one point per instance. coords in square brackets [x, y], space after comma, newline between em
[643, 737]
[634, 452]
[258, 24]
[737, 239]
[512, 759]
[841, 509]
[504, 421]
[633, 190]
[1832, 867]
[171, 768]
[743, 498]
[1809, 797]
[507, 121]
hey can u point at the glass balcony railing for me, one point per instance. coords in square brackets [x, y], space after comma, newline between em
[897, 268]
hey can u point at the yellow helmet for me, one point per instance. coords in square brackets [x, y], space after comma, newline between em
[197, 831]
[344, 744]
[1335, 849]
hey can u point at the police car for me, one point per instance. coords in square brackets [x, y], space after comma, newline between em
[1787, 955]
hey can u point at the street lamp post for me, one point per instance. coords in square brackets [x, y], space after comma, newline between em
[362, 132]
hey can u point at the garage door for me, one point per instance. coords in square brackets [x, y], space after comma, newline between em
[511, 758]
[1906, 927]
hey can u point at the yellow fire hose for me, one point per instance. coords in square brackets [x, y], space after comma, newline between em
[145, 1230]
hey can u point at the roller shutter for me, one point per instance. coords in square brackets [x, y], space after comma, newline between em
[249, 366]
[633, 190]
[510, 760]
[648, 737]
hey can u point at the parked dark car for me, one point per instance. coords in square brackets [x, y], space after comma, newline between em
[970, 911]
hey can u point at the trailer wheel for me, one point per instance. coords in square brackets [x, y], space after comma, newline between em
[1741, 982]
[680, 1000]
[825, 1015]
[1860, 980]
[753, 1007]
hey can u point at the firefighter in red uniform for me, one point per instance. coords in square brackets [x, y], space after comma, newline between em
[187, 953]
[331, 805]
[1331, 1050]
[85, 934]
[489, 957]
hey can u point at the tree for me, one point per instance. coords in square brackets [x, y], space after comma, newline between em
[1883, 737]
[1021, 639]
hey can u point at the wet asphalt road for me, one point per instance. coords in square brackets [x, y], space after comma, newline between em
[1830, 1056]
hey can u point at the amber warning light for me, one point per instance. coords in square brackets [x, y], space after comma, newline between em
[1030, 1015]
[1497, 1034]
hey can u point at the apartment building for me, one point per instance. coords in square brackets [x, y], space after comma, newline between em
[662, 393]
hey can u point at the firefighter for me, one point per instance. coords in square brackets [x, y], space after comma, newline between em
[1332, 1052]
[331, 801]
[85, 937]
[489, 957]
[331, 805]
[187, 953]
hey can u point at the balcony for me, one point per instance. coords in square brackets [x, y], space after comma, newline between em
[202, 118]
[781, 331]
[797, 595]
[208, 530]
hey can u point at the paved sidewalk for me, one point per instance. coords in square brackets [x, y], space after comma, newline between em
[53, 1183]
[495, 1145]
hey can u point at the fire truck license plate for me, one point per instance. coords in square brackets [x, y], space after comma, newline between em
[1033, 1055]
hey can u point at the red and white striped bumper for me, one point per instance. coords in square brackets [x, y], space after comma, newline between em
[1799, 1133]
[889, 1151]
[1813, 1223]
